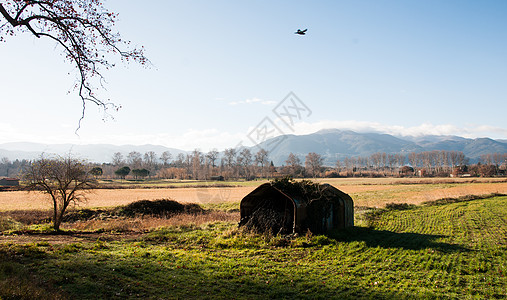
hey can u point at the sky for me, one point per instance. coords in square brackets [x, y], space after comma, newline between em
[223, 70]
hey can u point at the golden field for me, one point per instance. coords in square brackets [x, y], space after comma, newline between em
[365, 192]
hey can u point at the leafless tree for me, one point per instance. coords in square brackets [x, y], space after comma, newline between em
[211, 158]
[245, 161]
[150, 161]
[412, 160]
[82, 29]
[65, 179]
[118, 159]
[338, 166]
[261, 158]
[135, 160]
[180, 160]
[230, 160]
[313, 163]
[293, 164]
[166, 157]
[197, 159]
[400, 159]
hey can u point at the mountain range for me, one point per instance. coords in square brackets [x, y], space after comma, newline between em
[332, 144]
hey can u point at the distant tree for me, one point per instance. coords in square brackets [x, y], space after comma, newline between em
[118, 159]
[180, 160]
[65, 179]
[245, 161]
[166, 157]
[261, 158]
[140, 173]
[122, 172]
[135, 160]
[413, 160]
[196, 162]
[230, 160]
[338, 166]
[82, 29]
[313, 163]
[5, 165]
[96, 171]
[230, 157]
[170, 173]
[400, 159]
[212, 156]
[150, 160]
[293, 165]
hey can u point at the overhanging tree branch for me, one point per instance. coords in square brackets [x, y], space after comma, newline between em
[83, 29]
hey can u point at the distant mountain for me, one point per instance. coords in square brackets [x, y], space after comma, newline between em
[334, 144]
[95, 152]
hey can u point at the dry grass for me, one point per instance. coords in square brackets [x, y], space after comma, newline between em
[142, 224]
[109, 198]
[364, 191]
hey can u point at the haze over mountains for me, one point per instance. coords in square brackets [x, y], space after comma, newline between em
[332, 144]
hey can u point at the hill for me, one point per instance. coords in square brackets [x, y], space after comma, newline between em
[334, 144]
[94, 152]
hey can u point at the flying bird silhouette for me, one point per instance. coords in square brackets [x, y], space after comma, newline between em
[301, 32]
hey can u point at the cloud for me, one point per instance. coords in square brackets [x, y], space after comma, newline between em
[468, 131]
[252, 101]
[207, 139]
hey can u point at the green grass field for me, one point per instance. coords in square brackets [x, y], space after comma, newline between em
[456, 250]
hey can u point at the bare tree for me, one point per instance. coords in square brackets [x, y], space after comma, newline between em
[118, 159]
[211, 158]
[84, 31]
[230, 160]
[245, 161]
[135, 160]
[180, 160]
[150, 161]
[261, 158]
[166, 157]
[293, 165]
[196, 160]
[64, 179]
[338, 166]
[313, 163]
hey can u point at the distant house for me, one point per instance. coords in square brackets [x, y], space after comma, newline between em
[9, 182]
[287, 208]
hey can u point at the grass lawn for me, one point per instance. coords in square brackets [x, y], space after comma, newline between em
[456, 250]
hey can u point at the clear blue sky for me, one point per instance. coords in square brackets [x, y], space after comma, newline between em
[220, 67]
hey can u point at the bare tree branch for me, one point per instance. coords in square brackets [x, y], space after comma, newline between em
[83, 28]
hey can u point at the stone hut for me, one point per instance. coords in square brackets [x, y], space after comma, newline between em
[287, 206]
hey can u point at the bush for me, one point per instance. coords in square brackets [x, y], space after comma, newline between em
[161, 207]
[399, 206]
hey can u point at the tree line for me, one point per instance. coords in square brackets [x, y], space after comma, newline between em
[243, 163]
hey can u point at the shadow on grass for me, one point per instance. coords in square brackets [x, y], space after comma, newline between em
[390, 239]
[111, 277]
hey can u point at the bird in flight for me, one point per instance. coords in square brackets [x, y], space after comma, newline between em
[301, 32]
